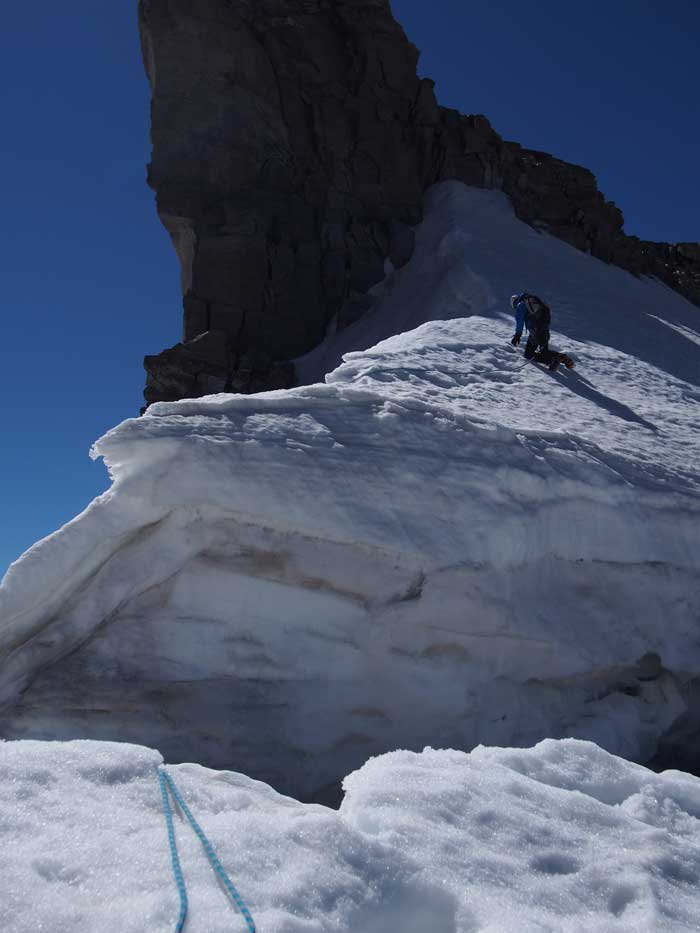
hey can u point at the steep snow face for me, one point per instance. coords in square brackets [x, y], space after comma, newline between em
[562, 837]
[442, 544]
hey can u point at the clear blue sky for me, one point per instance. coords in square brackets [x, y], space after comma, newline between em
[90, 280]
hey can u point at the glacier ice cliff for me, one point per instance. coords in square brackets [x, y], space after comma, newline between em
[440, 544]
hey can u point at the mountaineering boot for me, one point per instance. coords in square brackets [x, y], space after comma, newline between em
[561, 358]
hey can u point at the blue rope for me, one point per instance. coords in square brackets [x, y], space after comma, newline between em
[167, 784]
[174, 857]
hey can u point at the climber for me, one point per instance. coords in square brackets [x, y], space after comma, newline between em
[534, 314]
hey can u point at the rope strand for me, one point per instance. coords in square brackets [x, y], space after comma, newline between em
[174, 857]
[168, 785]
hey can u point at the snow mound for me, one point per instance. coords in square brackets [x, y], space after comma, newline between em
[441, 544]
[561, 837]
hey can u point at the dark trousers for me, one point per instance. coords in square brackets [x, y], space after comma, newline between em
[537, 347]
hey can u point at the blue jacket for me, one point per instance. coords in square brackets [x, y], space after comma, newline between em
[521, 315]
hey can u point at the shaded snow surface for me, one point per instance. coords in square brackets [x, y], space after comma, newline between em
[442, 544]
[561, 837]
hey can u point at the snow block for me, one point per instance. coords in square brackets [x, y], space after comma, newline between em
[440, 544]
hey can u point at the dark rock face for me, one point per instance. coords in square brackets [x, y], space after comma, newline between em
[292, 144]
[210, 363]
[564, 200]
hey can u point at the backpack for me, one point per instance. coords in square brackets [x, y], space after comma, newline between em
[538, 313]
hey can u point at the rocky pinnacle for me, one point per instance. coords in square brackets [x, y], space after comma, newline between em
[292, 144]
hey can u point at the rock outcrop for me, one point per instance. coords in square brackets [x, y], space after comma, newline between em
[292, 145]
[564, 200]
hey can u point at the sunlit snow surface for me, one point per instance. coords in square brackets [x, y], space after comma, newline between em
[562, 838]
[440, 528]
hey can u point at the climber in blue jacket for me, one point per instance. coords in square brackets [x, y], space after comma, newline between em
[531, 312]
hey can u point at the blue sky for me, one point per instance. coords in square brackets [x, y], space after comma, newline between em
[90, 281]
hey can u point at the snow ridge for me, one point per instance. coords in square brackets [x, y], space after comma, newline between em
[440, 527]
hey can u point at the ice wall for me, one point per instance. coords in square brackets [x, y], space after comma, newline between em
[443, 544]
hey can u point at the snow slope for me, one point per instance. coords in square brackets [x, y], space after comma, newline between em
[442, 544]
[562, 837]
